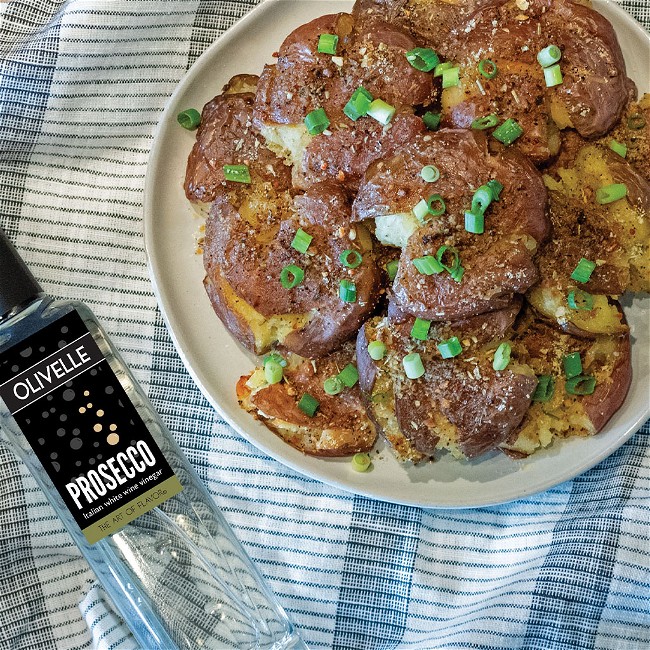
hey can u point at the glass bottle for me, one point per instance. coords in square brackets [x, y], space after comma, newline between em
[164, 553]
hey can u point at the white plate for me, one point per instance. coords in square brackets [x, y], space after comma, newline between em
[216, 361]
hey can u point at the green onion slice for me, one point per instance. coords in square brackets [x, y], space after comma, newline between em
[436, 205]
[327, 43]
[428, 265]
[486, 122]
[381, 111]
[333, 386]
[413, 366]
[420, 329]
[502, 357]
[350, 259]
[636, 121]
[358, 104]
[580, 385]
[450, 77]
[545, 388]
[423, 58]
[457, 273]
[430, 173]
[301, 241]
[553, 76]
[391, 269]
[376, 350]
[317, 121]
[237, 173]
[450, 348]
[440, 255]
[421, 210]
[349, 376]
[272, 372]
[275, 358]
[482, 199]
[583, 270]
[441, 67]
[488, 68]
[291, 276]
[580, 300]
[549, 55]
[431, 120]
[189, 119]
[474, 222]
[308, 404]
[496, 188]
[347, 291]
[618, 147]
[508, 132]
[572, 365]
[611, 193]
[361, 462]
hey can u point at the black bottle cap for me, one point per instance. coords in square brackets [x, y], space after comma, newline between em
[17, 285]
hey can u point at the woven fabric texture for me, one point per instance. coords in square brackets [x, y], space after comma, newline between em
[82, 87]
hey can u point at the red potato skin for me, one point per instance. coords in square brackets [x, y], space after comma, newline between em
[498, 264]
[226, 136]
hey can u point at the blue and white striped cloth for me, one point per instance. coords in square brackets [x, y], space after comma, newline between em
[82, 86]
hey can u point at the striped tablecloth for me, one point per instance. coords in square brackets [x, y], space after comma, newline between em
[82, 86]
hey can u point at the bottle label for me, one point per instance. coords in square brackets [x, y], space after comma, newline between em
[83, 428]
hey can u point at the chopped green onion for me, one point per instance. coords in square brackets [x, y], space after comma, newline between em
[327, 43]
[275, 358]
[583, 270]
[482, 199]
[420, 329]
[381, 111]
[488, 68]
[502, 357]
[317, 121]
[572, 365]
[436, 205]
[421, 210]
[333, 386]
[474, 222]
[272, 372]
[423, 58]
[545, 389]
[301, 241]
[580, 385]
[237, 173]
[486, 122]
[549, 55]
[291, 276]
[553, 76]
[350, 259]
[619, 148]
[580, 300]
[376, 350]
[496, 188]
[361, 462]
[347, 291]
[189, 119]
[391, 269]
[456, 258]
[450, 348]
[450, 77]
[308, 405]
[430, 173]
[428, 265]
[508, 132]
[611, 193]
[413, 366]
[635, 121]
[431, 120]
[358, 104]
[349, 376]
[441, 67]
[457, 273]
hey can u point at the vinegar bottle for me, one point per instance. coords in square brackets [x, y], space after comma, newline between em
[74, 414]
